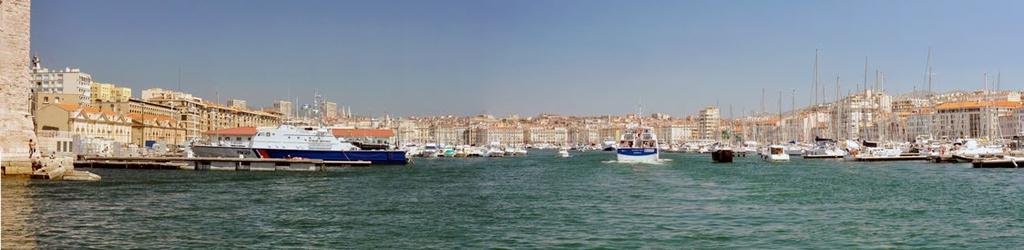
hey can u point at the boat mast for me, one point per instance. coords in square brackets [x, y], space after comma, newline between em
[817, 76]
[781, 135]
[792, 108]
[865, 74]
[929, 71]
[835, 112]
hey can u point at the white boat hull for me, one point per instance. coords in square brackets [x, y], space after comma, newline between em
[776, 157]
[638, 155]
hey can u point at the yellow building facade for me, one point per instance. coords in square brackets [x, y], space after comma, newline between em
[106, 92]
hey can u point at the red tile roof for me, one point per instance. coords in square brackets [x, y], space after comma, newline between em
[239, 131]
[357, 132]
[72, 107]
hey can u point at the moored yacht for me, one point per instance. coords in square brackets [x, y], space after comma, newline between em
[824, 149]
[429, 151]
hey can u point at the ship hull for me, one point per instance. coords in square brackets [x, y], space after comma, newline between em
[224, 152]
[373, 156]
[641, 155]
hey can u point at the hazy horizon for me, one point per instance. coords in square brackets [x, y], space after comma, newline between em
[528, 57]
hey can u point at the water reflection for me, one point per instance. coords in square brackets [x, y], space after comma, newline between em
[16, 209]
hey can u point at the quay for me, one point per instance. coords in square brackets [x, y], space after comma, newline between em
[214, 163]
[892, 158]
[997, 163]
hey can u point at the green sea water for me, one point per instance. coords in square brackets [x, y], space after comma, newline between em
[537, 201]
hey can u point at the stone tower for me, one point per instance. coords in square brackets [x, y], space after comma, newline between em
[16, 127]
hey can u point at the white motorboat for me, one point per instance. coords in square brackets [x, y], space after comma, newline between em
[775, 153]
[563, 152]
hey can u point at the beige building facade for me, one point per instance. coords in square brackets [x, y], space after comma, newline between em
[84, 121]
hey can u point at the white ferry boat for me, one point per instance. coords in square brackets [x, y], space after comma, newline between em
[638, 145]
[287, 141]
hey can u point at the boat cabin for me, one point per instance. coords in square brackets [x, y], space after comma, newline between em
[638, 137]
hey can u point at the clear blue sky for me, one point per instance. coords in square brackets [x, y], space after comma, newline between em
[527, 57]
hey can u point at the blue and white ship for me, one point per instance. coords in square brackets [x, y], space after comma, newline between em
[287, 141]
[638, 144]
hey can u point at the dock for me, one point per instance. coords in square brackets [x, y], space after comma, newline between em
[892, 158]
[943, 159]
[215, 164]
[998, 163]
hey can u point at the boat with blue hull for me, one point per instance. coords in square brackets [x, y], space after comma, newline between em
[638, 145]
[637, 152]
[373, 156]
[286, 142]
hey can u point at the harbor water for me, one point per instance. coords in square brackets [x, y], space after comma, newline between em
[536, 201]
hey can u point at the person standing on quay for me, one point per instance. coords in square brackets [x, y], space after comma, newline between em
[31, 148]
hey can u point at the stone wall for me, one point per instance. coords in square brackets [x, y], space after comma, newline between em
[15, 120]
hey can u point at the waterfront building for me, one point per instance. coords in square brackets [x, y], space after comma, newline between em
[40, 99]
[190, 109]
[218, 116]
[816, 122]
[197, 115]
[57, 143]
[978, 119]
[907, 105]
[106, 92]
[584, 136]
[148, 129]
[1019, 123]
[500, 135]
[285, 108]
[859, 114]
[556, 136]
[366, 135]
[1010, 124]
[84, 121]
[451, 135]
[330, 110]
[919, 124]
[408, 132]
[708, 121]
[660, 116]
[610, 132]
[237, 103]
[676, 134]
[66, 81]
[136, 106]
[977, 95]
[151, 122]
